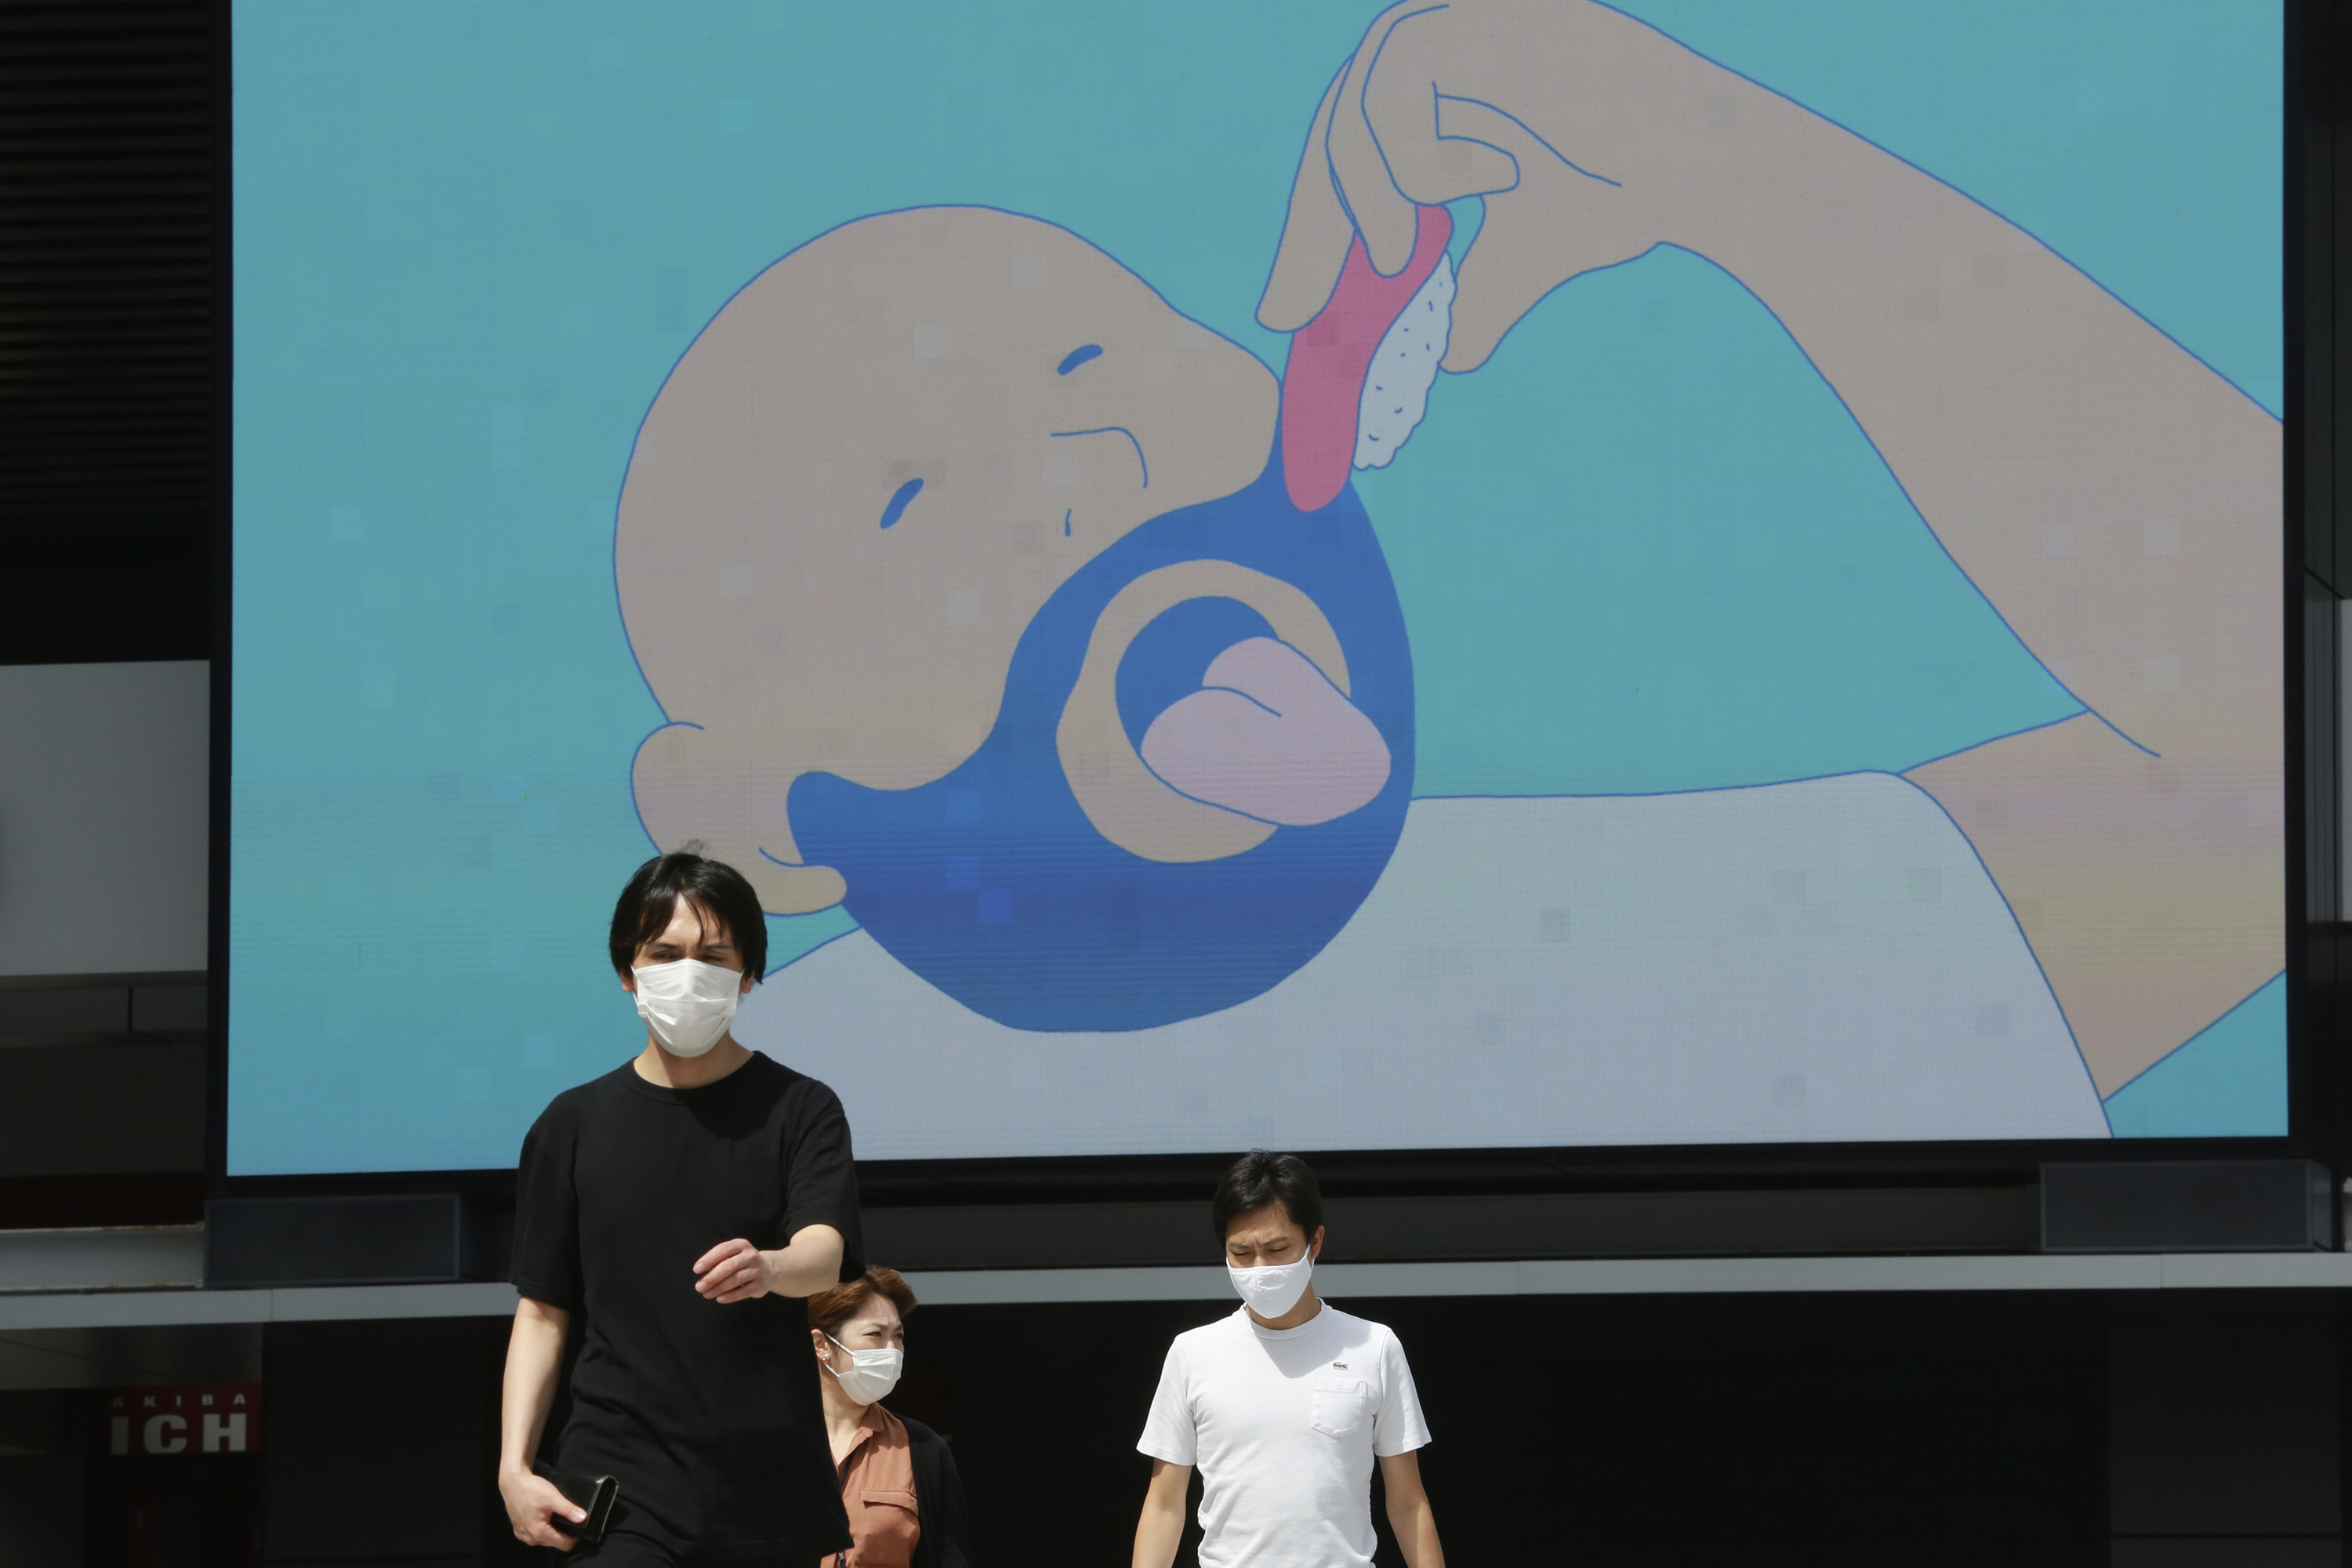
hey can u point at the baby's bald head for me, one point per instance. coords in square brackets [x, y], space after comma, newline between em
[869, 472]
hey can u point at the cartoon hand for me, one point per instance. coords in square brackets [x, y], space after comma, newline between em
[723, 789]
[1560, 116]
[1269, 736]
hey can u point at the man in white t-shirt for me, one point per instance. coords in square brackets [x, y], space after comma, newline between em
[1284, 1406]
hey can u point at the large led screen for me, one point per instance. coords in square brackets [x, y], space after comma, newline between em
[1488, 575]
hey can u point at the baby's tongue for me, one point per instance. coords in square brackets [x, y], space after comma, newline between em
[1323, 386]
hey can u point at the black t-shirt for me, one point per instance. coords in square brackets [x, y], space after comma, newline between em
[707, 1413]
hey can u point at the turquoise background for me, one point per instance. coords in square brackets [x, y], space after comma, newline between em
[2228, 1080]
[472, 239]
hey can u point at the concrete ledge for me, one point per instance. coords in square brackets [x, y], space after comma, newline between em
[1340, 1281]
[1646, 1277]
[482, 1298]
[989, 1286]
[1688, 1276]
[159, 1309]
[143, 1259]
[2256, 1271]
[131, 1310]
[1668, 1277]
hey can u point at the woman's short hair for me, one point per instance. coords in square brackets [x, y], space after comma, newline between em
[712, 888]
[828, 1310]
[1257, 1178]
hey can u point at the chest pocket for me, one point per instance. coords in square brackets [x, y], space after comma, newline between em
[885, 1528]
[1341, 1407]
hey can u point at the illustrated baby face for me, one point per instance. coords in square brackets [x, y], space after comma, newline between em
[867, 476]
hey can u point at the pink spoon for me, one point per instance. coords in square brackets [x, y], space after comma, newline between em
[1323, 386]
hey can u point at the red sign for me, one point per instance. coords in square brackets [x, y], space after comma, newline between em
[184, 1418]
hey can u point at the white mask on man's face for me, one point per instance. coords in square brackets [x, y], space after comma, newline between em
[688, 1003]
[1272, 1288]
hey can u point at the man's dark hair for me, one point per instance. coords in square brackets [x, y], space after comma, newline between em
[1257, 1178]
[713, 889]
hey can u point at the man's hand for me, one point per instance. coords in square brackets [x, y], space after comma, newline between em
[1573, 120]
[534, 1354]
[733, 1272]
[737, 1271]
[1409, 1513]
[532, 1501]
[1161, 1530]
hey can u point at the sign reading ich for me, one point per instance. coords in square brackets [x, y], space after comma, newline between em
[184, 1418]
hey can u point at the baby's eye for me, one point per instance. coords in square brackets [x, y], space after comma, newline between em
[1077, 357]
[899, 500]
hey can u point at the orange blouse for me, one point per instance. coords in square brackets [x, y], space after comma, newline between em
[877, 1487]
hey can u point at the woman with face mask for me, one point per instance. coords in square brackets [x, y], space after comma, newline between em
[899, 1482]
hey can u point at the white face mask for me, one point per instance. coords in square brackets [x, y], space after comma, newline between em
[871, 1375]
[688, 1003]
[1274, 1288]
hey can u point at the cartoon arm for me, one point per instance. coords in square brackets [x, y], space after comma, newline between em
[2116, 502]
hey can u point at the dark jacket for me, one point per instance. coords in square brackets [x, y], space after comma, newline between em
[946, 1537]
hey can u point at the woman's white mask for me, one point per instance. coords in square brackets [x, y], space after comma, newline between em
[872, 1374]
[688, 1003]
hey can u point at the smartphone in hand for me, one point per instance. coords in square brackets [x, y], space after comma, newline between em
[596, 1494]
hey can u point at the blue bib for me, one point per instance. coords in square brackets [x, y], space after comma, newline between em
[992, 884]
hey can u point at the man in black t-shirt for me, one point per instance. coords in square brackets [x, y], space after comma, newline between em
[668, 1213]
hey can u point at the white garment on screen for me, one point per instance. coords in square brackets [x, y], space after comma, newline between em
[1283, 1425]
[1824, 961]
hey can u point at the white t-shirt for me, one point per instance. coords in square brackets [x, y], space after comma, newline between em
[1282, 1424]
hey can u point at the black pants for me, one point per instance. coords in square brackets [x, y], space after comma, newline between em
[623, 1549]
